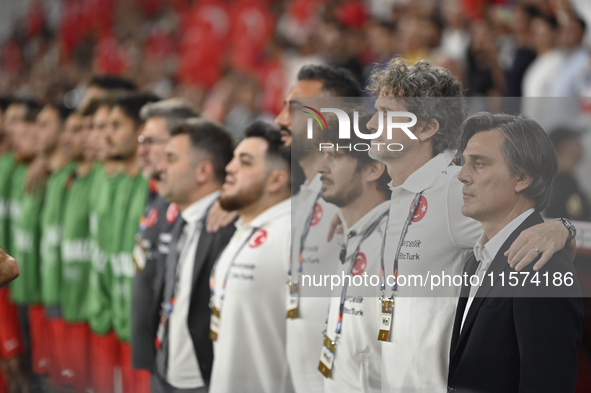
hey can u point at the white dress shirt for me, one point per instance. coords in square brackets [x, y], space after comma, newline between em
[486, 250]
[183, 370]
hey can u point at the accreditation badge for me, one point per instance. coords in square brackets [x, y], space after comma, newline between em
[160, 333]
[214, 324]
[386, 320]
[139, 254]
[293, 300]
[326, 357]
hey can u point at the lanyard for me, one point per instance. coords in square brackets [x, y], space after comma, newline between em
[303, 238]
[411, 214]
[352, 265]
[212, 280]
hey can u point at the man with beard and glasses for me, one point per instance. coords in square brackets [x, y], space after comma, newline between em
[436, 238]
[191, 174]
[248, 294]
[119, 202]
[350, 359]
[159, 117]
[311, 223]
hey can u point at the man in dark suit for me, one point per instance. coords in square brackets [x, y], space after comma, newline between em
[155, 225]
[191, 174]
[513, 331]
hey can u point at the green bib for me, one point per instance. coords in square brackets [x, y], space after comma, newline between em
[130, 202]
[76, 250]
[7, 166]
[102, 224]
[25, 213]
[51, 230]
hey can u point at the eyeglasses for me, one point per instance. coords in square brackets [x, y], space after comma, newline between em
[149, 141]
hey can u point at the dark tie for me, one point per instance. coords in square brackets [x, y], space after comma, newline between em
[469, 269]
[172, 261]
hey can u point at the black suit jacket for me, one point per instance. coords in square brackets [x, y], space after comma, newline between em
[209, 247]
[514, 340]
[143, 351]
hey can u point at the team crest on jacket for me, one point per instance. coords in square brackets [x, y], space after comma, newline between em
[172, 213]
[149, 220]
[258, 238]
[360, 265]
[421, 210]
[318, 214]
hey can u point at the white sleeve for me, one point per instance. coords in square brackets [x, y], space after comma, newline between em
[285, 252]
[463, 230]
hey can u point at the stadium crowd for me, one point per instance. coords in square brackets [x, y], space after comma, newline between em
[145, 144]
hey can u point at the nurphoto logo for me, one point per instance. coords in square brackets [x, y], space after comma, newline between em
[345, 128]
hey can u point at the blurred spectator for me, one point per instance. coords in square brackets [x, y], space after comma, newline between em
[575, 64]
[340, 47]
[484, 74]
[539, 77]
[381, 43]
[525, 53]
[567, 199]
[234, 101]
[99, 85]
[455, 38]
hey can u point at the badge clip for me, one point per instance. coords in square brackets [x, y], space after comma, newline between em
[326, 357]
[386, 320]
[214, 325]
[293, 300]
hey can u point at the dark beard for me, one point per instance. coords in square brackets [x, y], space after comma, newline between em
[285, 129]
[244, 199]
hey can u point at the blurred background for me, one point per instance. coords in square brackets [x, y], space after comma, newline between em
[235, 60]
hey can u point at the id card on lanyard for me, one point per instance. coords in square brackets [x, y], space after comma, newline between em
[388, 303]
[216, 312]
[329, 346]
[293, 289]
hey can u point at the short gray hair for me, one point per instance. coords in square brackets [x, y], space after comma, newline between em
[173, 110]
[427, 91]
[527, 149]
